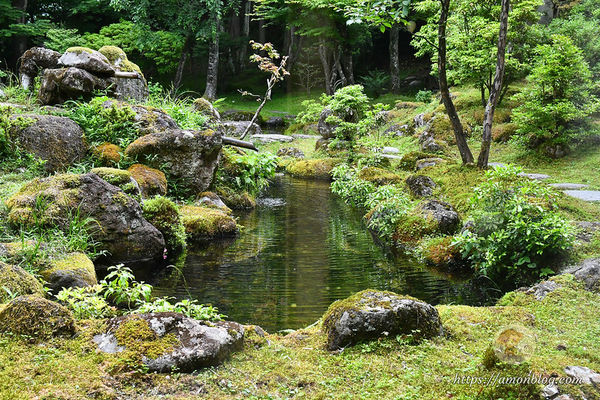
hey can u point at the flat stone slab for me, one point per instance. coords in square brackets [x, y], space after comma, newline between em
[390, 150]
[537, 177]
[585, 195]
[303, 136]
[569, 186]
[271, 138]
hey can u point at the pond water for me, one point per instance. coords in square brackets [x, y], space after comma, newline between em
[301, 249]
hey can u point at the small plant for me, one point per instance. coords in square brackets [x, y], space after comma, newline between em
[249, 172]
[375, 83]
[349, 187]
[121, 288]
[424, 96]
[86, 302]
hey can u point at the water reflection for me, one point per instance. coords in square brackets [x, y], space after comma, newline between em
[301, 249]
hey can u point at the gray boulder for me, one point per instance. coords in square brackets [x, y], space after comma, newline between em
[326, 130]
[57, 140]
[588, 272]
[33, 61]
[118, 224]
[428, 162]
[147, 119]
[195, 345]
[371, 314]
[443, 213]
[420, 185]
[237, 128]
[275, 123]
[431, 146]
[190, 157]
[290, 152]
[62, 84]
[88, 60]
[271, 138]
[399, 130]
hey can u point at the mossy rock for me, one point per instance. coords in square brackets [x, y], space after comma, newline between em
[512, 345]
[240, 115]
[409, 160]
[108, 153]
[151, 182]
[372, 314]
[378, 176]
[118, 177]
[117, 58]
[36, 318]
[79, 50]
[164, 215]
[15, 280]
[236, 200]
[74, 270]
[203, 222]
[439, 252]
[212, 200]
[313, 169]
[502, 133]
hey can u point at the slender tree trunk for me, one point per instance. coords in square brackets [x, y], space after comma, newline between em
[246, 34]
[348, 64]
[185, 53]
[20, 42]
[262, 32]
[496, 89]
[338, 66]
[213, 68]
[395, 58]
[459, 133]
[324, 56]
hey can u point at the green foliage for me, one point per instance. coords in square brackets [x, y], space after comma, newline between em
[515, 230]
[352, 190]
[179, 107]
[114, 124]
[424, 96]
[60, 39]
[121, 288]
[558, 95]
[164, 215]
[375, 83]
[249, 172]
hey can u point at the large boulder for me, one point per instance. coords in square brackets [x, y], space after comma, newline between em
[205, 223]
[134, 87]
[147, 119]
[87, 59]
[588, 272]
[190, 157]
[33, 61]
[15, 280]
[371, 314]
[37, 318]
[205, 107]
[168, 341]
[73, 270]
[116, 219]
[444, 215]
[57, 140]
[420, 185]
[61, 84]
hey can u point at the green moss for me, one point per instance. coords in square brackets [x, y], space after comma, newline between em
[236, 200]
[79, 50]
[117, 57]
[15, 281]
[76, 264]
[409, 160]
[203, 222]
[36, 318]
[151, 181]
[108, 153]
[313, 169]
[164, 215]
[440, 252]
[113, 176]
[379, 176]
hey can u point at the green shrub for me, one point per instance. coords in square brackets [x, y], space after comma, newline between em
[375, 83]
[558, 95]
[514, 231]
[250, 172]
[352, 190]
[424, 96]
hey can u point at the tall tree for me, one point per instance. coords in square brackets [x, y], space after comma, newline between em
[395, 58]
[488, 119]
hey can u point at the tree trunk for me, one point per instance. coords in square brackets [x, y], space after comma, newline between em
[213, 68]
[496, 89]
[246, 34]
[324, 56]
[395, 58]
[262, 32]
[20, 42]
[185, 52]
[348, 64]
[459, 133]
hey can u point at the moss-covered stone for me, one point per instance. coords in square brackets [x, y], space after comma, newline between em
[108, 153]
[73, 270]
[151, 182]
[378, 176]
[236, 200]
[512, 345]
[164, 215]
[15, 280]
[79, 50]
[440, 253]
[409, 160]
[314, 169]
[203, 222]
[117, 58]
[503, 132]
[36, 318]
[113, 176]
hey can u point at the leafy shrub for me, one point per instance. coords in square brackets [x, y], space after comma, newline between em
[558, 95]
[250, 172]
[375, 83]
[86, 302]
[352, 190]
[114, 124]
[424, 96]
[121, 288]
[514, 230]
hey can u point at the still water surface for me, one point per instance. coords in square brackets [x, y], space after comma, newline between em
[302, 248]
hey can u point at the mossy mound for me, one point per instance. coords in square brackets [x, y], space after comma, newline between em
[513, 345]
[315, 169]
[15, 280]
[378, 176]
[79, 50]
[237, 200]
[151, 182]
[164, 215]
[203, 222]
[440, 253]
[108, 153]
[117, 58]
[36, 318]
[74, 270]
[118, 177]
[502, 133]
[409, 160]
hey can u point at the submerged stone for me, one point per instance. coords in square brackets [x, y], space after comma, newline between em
[371, 314]
[203, 222]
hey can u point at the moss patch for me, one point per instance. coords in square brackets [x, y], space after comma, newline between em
[315, 169]
[15, 280]
[108, 153]
[152, 182]
[164, 215]
[79, 50]
[76, 265]
[379, 176]
[203, 222]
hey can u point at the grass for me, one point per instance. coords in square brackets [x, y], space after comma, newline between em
[298, 366]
